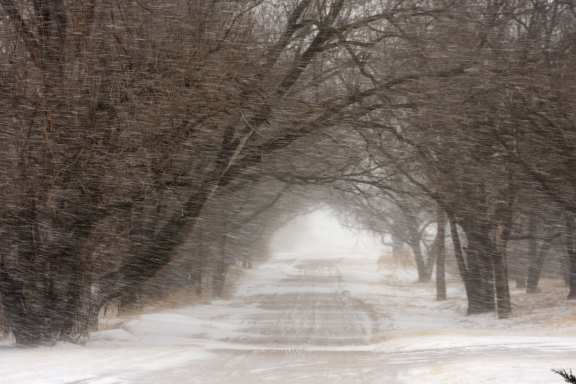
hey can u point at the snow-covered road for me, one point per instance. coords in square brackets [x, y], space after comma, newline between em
[306, 318]
[309, 307]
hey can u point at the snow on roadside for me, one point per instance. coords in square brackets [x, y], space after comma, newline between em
[449, 347]
[512, 370]
[410, 322]
[146, 343]
[67, 363]
[407, 308]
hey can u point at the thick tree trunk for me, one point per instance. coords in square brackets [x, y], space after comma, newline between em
[481, 299]
[219, 278]
[424, 275]
[430, 264]
[503, 303]
[76, 311]
[55, 308]
[197, 273]
[535, 267]
[441, 293]
[221, 270]
[570, 238]
[479, 288]
[498, 251]
[460, 260]
[45, 286]
[522, 279]
[480, 269]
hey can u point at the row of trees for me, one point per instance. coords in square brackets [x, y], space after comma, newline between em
[490, 145]
[134, 128]
[123, 121]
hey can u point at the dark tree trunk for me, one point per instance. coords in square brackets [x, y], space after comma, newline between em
[536, 265]
[197, 273]
[522, 279]
[570, 239]
[57, 307]
[219, 279]
[479, 290]
[45, 286]
[480, 269]
[222, 264]
[498, 249]
[76, 311]
[440, 241]
[430, 263]
[503, 303]
[423, 273]
[459, 255]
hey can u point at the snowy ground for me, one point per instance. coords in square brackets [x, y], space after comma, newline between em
[320, 316]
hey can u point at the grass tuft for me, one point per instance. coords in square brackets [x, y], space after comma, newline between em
[568, 376]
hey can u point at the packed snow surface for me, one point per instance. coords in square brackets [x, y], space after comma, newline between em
[318, 315]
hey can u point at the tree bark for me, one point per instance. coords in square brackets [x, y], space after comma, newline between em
[522, 279]
[53, 307]
[503, 303]
[570, 239]
[222, 264]
[536, 265]
[476, 272]
[441, 293]
[480, 269]
[497, 249]
[460, 260]
[423, 274]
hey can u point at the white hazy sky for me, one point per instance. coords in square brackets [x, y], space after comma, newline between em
[321, 230]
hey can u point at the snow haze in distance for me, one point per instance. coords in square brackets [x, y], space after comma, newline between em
[321, 233]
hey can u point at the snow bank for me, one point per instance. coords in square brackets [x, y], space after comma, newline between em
[95, 363]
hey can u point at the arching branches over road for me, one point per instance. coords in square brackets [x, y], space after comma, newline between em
[128, 126]
[490, 145]
[145, 111]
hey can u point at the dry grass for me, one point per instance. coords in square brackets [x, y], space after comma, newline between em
[176, 299]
